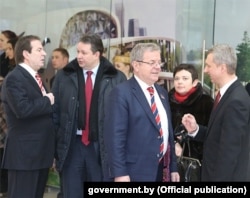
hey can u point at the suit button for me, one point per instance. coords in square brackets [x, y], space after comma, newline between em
[159, 137]
[158, 155]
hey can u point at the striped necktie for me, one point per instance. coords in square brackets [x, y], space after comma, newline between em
[40, 83]
[157, 119]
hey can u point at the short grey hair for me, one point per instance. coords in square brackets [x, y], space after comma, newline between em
[224, 54]
[139, 49]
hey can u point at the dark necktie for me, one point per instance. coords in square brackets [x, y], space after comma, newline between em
[88, 95]
[217, 99]
[40, 83]
[157, 119]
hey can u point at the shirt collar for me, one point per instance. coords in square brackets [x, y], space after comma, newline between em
[29, 69]
[94, 70]
[142, 84]
[226, 86]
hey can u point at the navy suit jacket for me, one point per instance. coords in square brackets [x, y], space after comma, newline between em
[131, 134]
[226, 146]
[31, 137]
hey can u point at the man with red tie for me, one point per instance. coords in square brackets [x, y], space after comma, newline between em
[81, 90]
[137, 126]
[30, 142]
[226, 138]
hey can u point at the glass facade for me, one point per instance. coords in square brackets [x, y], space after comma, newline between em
[185, 28]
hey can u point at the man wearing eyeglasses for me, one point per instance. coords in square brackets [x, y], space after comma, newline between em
[138, 133]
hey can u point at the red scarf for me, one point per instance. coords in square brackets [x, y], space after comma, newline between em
[182, 98]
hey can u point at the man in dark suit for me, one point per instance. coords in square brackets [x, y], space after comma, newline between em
[29, 150]
[135, 141]
[80, 147]
[226, 138]
[59, 59]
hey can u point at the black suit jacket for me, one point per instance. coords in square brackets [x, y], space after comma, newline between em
[31, 137]
[226, 146]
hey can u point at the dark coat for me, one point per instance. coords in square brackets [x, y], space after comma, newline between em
[198, 104]
[30, 139]
[4, 65]
[65, 89]
[226, 138]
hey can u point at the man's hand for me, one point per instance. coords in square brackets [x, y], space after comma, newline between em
[122, 179]
[51, 97]
[188, 120]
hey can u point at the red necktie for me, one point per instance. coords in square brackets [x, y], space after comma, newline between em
[40, 83]
[217, 99]
[157, 119]
[88, 95]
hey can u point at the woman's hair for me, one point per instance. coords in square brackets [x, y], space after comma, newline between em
[13, 42]
[188, 67]
[9, 34]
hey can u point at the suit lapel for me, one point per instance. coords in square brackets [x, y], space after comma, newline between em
[139, 95]
[27, 76]
[162, 97]
[221, 104]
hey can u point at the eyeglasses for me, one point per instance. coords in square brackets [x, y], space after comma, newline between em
[152, 64]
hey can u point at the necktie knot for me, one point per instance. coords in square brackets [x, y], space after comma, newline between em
[217, 99]
[89, 73]
[151, 91]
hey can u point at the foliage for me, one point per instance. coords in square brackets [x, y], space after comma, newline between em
[243, 56]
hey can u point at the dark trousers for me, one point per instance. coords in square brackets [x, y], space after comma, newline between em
[60, 193]
[159, 176]
[3, 175]
[24, 184]
[82, 164]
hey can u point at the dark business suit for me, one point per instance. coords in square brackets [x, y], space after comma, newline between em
[31, 138]
[226, 146]
[131, 134]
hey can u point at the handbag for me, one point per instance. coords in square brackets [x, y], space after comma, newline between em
[189, 168]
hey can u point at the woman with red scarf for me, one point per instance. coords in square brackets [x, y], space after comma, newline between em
[188, 96]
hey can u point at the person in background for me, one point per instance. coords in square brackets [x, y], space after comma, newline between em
[188, 96]
[3, 126]
[135, 141]
[81, 90]
[122, 63]
[3, 134]
[226, 138]
[30, 142]
[5, 36]
[59, 59]
[10, 53]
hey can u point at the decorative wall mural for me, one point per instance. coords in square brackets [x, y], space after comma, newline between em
[90, 21]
